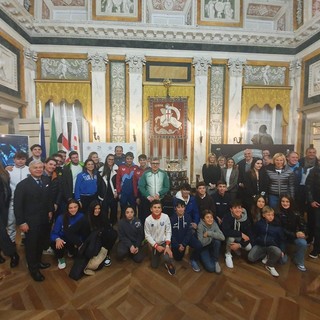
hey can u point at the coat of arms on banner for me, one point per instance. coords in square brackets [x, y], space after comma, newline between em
[168, 117]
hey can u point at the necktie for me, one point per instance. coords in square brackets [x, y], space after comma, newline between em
[39, 182]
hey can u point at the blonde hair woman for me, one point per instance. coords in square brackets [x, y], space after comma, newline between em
[211, 173]
[281, 179]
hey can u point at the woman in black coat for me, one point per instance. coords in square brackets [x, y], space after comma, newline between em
[255, 182]
[99, 222]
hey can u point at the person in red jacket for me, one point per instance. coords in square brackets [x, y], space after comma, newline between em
[124, 182]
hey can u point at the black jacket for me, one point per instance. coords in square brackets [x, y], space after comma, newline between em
[131, 232]
[268, 234]
[32, 203]
[313, 185]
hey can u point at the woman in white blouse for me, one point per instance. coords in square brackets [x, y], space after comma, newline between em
[230, 175]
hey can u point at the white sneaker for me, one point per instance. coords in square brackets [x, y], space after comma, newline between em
[217, 268]
[264, 260]
[229, 262]
[273, 271]
[107, 262]
[49, 251]
[61, 263]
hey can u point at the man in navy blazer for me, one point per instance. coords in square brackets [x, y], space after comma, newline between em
[33, 209]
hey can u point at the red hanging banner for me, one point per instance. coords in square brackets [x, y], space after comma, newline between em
[168, 117]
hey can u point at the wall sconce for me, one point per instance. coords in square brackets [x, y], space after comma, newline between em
[134, 135]
[201, 137]
[237, 140]
[95, 134]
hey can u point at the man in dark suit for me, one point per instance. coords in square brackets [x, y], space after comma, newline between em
[33, 209]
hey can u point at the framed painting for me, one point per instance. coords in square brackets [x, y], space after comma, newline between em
[119, 10]
[312, 80]
[225, 13]
[9, 68]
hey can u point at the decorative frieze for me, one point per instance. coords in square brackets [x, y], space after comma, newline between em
[265, 75]
[216, 103]
[118, 101]
[64, 69]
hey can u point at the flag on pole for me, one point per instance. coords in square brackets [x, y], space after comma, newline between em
[42, 136]
[74, 133]
[53, 137]
[65, 139]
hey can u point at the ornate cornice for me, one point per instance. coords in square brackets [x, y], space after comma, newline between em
[147, 32]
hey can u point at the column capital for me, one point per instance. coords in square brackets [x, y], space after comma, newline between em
[30, 59]
[235, 66]
[98, 61]
[135, 62]
[295, 68]
[201, 65]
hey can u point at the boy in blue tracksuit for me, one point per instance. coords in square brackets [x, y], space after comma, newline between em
[182, 236]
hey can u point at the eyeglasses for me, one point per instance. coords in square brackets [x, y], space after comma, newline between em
[155, 163]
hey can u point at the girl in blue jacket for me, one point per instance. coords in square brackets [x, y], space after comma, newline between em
[68, 232]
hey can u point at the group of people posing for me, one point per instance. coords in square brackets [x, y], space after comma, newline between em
[257, 206]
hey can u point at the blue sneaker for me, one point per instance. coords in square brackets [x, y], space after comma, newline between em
[195, 266]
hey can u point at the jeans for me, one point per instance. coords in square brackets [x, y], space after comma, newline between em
[210, 254]
[301, 247]
[259, 252]
[273, 201]
[193, 243]
[11, 223]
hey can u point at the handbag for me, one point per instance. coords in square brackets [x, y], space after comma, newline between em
[91, 245]
[96, 262]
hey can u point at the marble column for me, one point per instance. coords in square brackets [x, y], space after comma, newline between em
[199, 152]
[136, 64]
[98, 63]
[295, 83]
[235, 93]
[30, 66]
